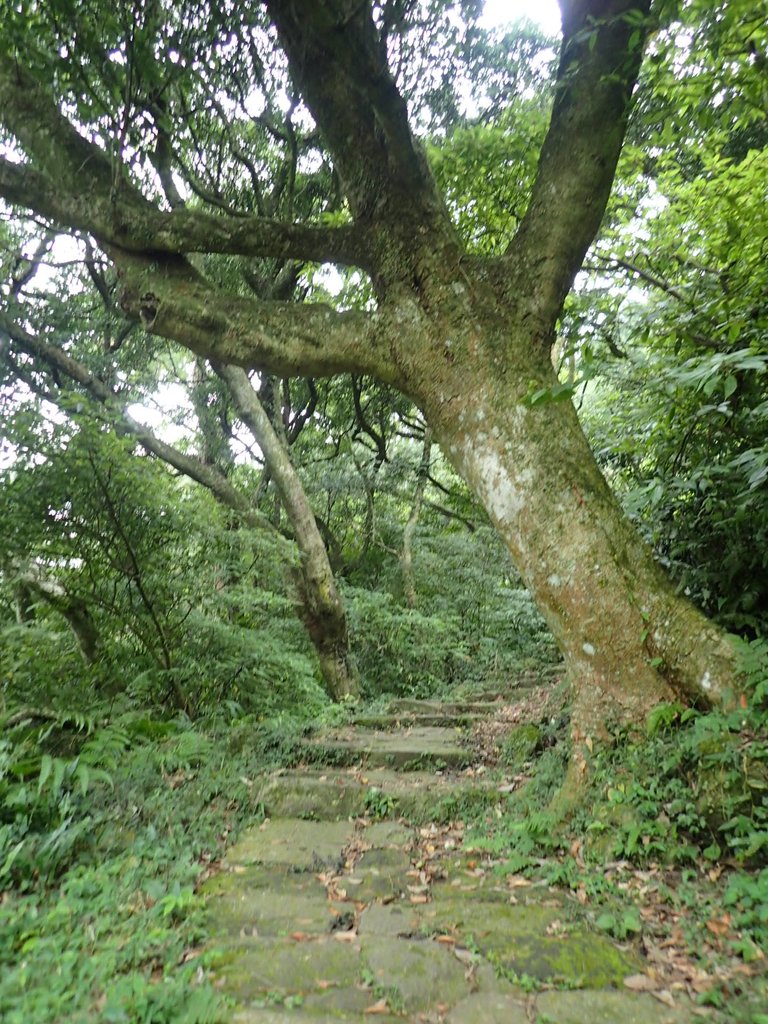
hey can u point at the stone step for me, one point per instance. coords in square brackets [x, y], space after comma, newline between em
[406, 750]
[337, 794]
[406, 712]
[332, 921]
[511, 689]
[389, 721]
[412, 706]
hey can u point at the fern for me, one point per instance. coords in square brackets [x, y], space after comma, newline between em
[189, 750]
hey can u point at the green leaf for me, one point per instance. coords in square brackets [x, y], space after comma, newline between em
[46, 767]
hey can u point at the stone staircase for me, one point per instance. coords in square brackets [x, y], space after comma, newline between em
[354, 901]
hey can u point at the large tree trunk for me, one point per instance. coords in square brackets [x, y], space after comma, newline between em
[468, 338]
[321, 605]
[628, 639]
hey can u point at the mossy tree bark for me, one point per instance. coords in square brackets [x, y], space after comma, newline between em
[35, 584]
[467, 338]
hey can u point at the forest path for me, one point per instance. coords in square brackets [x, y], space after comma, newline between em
[339, 908]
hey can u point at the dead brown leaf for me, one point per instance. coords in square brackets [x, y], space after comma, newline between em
[465, 956]
[517, 881]
[640, 983]
[380, 1006]
[664, 996]
[719, 925]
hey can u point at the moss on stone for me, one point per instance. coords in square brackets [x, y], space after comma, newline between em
[520, 745]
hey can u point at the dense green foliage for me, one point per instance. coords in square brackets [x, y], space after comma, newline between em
[104, 833]
[152, 663]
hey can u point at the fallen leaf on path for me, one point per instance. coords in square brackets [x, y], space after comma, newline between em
[556, 928]
[664, 996]
[300, 937]
[349, 936]
[703, 983]
[378, 1007]
[517, 881]
[640, 983]
[419, 898]
[190, 954]
[466, 956]
[446, 940]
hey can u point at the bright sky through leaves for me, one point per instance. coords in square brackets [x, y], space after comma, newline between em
[545, 13]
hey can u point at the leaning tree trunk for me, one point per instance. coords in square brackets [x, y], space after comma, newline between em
[406, 554]
[322, 607]
[628, 639]
[73, 609]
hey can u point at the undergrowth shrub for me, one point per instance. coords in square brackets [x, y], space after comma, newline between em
[401, 650]
[696, 786]
[45, 815]
[40, 664]
[688, 796]
[105, 829]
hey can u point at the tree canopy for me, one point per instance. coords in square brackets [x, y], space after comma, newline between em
[361, 366]
[213, 162]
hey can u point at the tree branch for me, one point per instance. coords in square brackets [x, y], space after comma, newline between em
[133, 224]
[74, 183]
[287, 339]
[194, 468]
[340, 65]
[599, 61]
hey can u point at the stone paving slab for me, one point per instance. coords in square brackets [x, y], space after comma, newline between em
[405, 712]
[389, 721]
[389, 920]
[293, 903]
[416, 975]
[490, 1008]
[281, 968]
[530, 940]
[383, 834]
[293, 842]
[307, 1015]
[330, 794]
[587, 1007]
[379, 874]
[415, 747]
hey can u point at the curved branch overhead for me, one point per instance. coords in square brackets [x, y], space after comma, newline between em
[600, 57]
[467, 338]
[401, 226]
